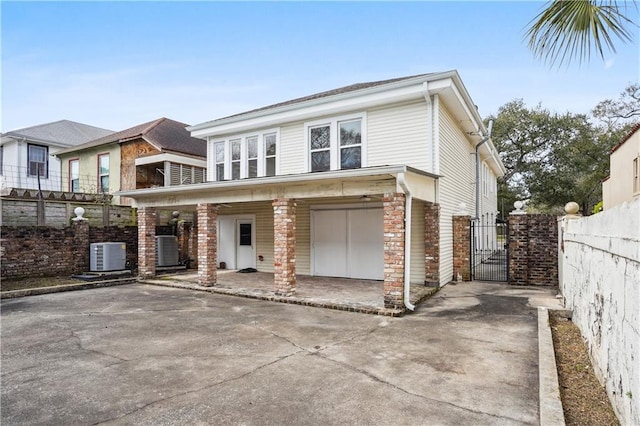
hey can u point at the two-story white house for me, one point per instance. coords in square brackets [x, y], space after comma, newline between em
[356, 182]
[26, 155]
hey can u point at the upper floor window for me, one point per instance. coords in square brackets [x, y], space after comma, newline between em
[218, 149]
[245, 156]
[38, 157]
[74, 175]
[270, 151]
[336, 144]
[103, 173]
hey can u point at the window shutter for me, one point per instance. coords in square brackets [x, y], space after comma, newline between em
[174, 174]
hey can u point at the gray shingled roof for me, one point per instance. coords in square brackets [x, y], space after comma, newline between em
[63, 132]
[340, 90]
[163, 133]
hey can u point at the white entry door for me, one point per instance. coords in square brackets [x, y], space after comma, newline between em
[348, 243]
[245, 244]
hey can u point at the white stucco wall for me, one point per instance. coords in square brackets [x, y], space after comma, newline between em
[600, 282]
[619, 187]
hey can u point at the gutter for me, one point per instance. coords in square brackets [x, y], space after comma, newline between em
[407, 242]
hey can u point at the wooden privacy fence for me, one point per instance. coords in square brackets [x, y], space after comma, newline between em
[58, 213]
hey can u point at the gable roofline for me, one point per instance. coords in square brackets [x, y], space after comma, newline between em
[633, 130]
[60, 133]
[371, 93]
[163, 134]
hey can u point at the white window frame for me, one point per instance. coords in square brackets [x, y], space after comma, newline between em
[244, 160]
[334, 132]
[45, 172]
[74, 175]
[101, 175]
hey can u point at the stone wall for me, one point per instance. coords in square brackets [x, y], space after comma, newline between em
[533, 253]
[600, 282]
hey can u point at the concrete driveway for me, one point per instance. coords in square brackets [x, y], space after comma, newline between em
[139, 354]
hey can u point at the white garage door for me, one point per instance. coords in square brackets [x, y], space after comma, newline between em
[348, 243]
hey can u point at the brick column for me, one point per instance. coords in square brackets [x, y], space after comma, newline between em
[432, 244]
[284, 246]
[394, 233]
[82, 244]
[518, 249]
[461, 247]
[533, 249]
[146, 242]
[207, 244]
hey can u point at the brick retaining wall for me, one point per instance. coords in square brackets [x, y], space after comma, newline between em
[48, 251]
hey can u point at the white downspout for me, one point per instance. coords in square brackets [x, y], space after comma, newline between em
[433, 127]
[407, 242]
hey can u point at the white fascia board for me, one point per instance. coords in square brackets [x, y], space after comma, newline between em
[306, 112]
[273, 180]
[489, 153]
[174, 158]
[214, 124]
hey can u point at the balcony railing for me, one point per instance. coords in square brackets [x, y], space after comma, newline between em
[18, 178]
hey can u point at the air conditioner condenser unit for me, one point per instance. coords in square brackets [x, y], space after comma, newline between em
[166, 250]
[107, 257]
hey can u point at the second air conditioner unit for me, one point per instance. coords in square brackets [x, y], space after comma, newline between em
[107, 257]
[166, 250]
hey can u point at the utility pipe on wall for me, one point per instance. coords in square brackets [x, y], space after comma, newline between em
[407, 242]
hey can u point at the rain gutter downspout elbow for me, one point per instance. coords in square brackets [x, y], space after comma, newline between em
[407, 242]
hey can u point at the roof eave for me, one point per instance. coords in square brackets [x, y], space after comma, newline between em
[273, 180]
[320, 101]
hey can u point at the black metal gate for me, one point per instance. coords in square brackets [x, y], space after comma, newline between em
[489, 249]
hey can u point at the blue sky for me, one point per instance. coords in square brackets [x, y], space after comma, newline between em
[118, 64]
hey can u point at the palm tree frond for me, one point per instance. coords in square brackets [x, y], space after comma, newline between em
[572, 29]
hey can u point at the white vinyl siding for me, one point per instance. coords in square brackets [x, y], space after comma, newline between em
[457, 167]
[489, 197]
[292, 149]
[397, 135]
[417, 242]
[263, 212]
[303, 239]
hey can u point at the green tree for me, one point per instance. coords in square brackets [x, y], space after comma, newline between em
[550, 158]
[571, 29]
